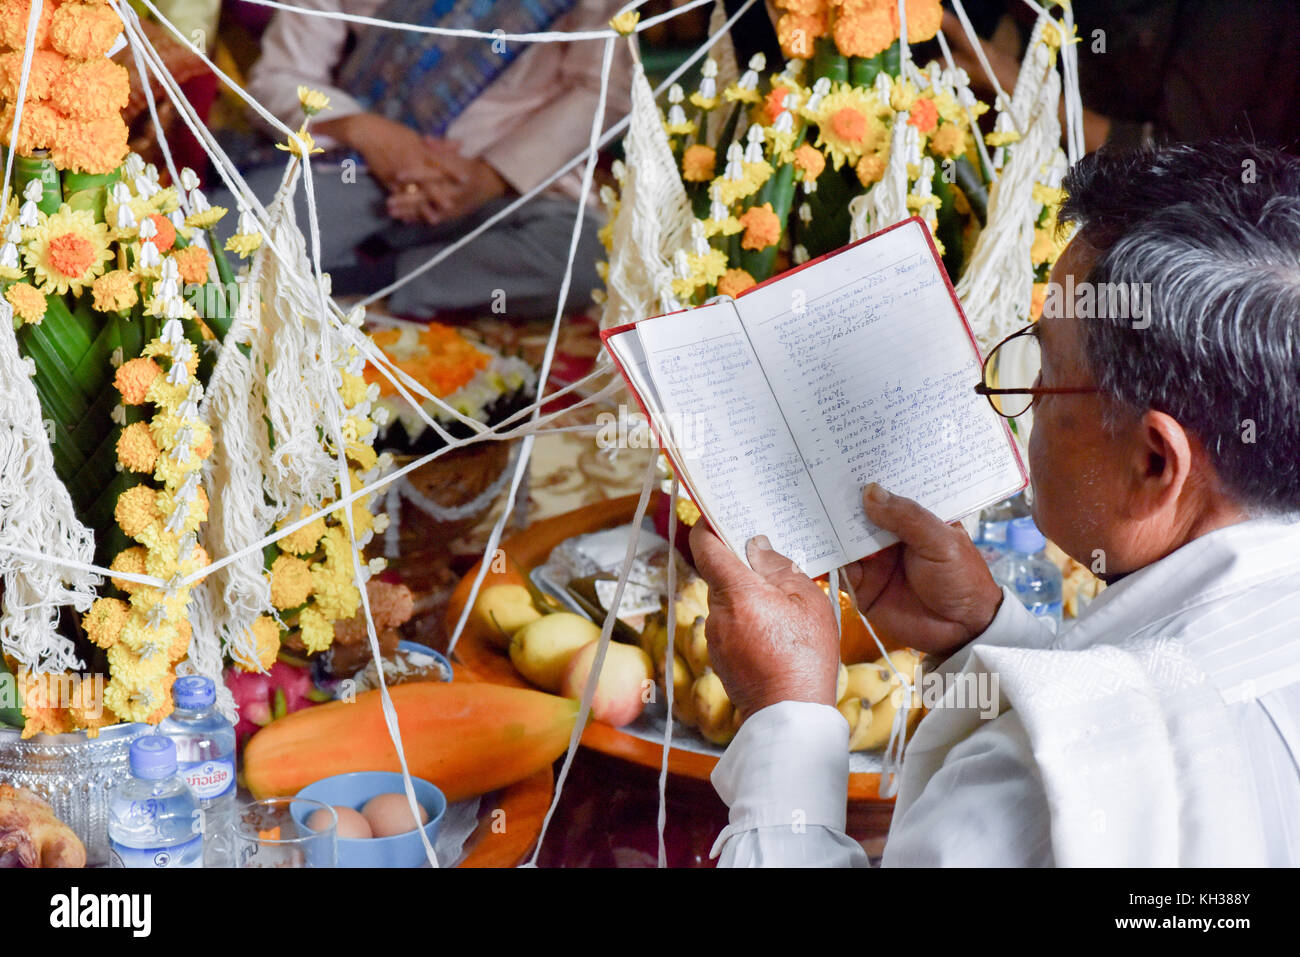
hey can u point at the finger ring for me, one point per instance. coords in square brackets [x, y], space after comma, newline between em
[412, 188]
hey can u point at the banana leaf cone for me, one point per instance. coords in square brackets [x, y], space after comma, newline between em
[39, 167]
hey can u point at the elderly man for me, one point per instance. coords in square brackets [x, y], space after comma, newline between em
[1163, 728]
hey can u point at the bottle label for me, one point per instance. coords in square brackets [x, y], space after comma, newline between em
[189, 854]
[209, 779]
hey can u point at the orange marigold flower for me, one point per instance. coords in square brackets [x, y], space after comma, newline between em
[134, 378]
[265, 634]
[870, 169]
[137, 510]
[136, 449]
[867, 33]
[91, 90]
[796, 33]
[91, 146]
[165, 238]
[27, 302]
[849, 124]
[809, 160]
[762, 227]
[47, 68]
[806, 8]
[105, 620]
[924, 18]
[948, 140]
[114, 291]
[924, 114]
[83, 31]
[39, 130]
[181, 644]
[132, 561]
[290, 582]
[192, 261]
[71, 254]
[698, 163]
[13, 23]
[733, 283]
[774, 102]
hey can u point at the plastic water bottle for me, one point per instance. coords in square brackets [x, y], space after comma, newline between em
[153, 819]
[1029, 574]
[205, 754]
[994, 520]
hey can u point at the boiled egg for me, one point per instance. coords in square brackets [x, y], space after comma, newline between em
[390, 814]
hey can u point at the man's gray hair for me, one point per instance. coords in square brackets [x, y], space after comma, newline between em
[1213, 232]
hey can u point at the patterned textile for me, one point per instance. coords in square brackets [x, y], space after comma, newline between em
[424, 80]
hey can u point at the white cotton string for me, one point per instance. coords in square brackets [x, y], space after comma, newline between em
[970, 114]
[978, 44]
[544, 373]
[542, 37]
[606, 631]
[670, 669]
[904, 50]
[159, 133]
[29, 49]
[1070, 88]
[75, 565]
[541, 187]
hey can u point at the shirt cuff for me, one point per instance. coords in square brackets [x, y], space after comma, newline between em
[788, 766]
[1014, 626]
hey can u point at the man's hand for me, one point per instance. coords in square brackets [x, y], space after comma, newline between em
[932, 588]
[389, 148]
[447, 187]
[771, 629]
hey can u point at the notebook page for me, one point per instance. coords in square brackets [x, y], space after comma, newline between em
[868, 356]
[735, 448]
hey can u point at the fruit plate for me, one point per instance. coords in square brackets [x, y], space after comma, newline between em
[642, 741]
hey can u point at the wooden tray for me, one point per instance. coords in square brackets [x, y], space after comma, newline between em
[529, 548]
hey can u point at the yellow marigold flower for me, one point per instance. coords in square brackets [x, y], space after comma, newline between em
[192, 261]
[181, 643]
[114, 291]
[762, 227]
[91, 146]
[87, 91]
[13, 23]
[687, 512]
[300, 144]
[138, 702]
[130, 560]
[67, 251]
[317, 630]
[924, 18]
[84, 31]
[868, 32]
[244, 244]
[849, 125]
[137, 450]
[809, 161]
[312, 101]
[796, 33]
[166, 395]
[1049, 196]
[265, 634]
[170, 471]
[948, 140]
[39, 130]
[136, 510]
[134, 379]
[27, 302]
[197, 559]
[105, 620]
[1002, 137]
[206, 219]
[726, 227]
[290, 582]
[735, 93]
[134, 668]
[304, 540]
[146, 641]
[363, 455]
[353, 390]
[625, 23]
[734, 282]
[870, 169]
[47, 68]
[698, 163]
[335, 595]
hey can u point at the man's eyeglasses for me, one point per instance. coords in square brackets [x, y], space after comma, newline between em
[1018, 358]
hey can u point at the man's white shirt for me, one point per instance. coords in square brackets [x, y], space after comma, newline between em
[1161, 729]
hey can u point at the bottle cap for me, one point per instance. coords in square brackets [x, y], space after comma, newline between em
[153, 757]
[1023, 536]
[194, 691]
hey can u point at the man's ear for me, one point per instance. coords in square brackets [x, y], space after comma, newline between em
[1162, 463]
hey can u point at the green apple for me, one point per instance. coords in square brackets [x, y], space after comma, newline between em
[541, 649]
[501, 610]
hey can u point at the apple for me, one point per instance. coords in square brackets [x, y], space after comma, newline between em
[501, 610]
[620, 690]
[541, 649]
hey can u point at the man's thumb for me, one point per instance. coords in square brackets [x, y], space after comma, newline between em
[914, 525]
[766, 561]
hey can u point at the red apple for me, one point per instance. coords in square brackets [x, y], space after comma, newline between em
[625, 683]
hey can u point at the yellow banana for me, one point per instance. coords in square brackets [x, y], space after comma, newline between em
[841, 683]
[713, 709]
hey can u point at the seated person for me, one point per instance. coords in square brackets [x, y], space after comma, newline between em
[427, 136]
[1163, 727]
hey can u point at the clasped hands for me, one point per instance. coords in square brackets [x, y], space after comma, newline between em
[442, 185]
[771, 630]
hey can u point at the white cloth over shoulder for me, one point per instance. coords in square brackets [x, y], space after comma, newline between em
[1160, 730]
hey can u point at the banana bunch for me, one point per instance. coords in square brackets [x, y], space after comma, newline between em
[699, 700]
[870, 695]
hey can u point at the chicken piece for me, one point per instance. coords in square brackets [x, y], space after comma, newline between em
[31, 836]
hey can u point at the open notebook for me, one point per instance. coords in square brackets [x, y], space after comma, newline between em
[776, 408]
